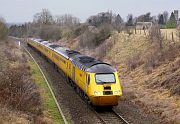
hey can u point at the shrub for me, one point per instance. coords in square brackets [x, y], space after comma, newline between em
[103, 49]
[79, 30]
[96, 36]
[156, 56]
[151, 59]
[67, 32]
[155, 35]
[18, 91]
[129, 32]
[3, 29]
[50, 32]
[134, 62]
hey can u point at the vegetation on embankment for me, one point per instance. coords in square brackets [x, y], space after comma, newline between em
[147, 59]
[150, 71]
[149, 67]
[23, 100]
[48, 104]
[24, 95]
[3, 29]
[19, 97]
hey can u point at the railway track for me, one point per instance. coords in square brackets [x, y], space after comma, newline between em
[105, 116]
[110, 116]
[58, 106]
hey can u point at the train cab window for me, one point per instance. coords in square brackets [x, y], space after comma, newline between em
[105, 78]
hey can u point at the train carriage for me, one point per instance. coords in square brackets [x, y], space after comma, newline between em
[97, 80]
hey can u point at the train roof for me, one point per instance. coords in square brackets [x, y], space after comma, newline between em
[62, 51]
[85, 63]
[101, 68]
[66, 52]
[71, 53]
[45, 42]
[54, 46]
[92, 65]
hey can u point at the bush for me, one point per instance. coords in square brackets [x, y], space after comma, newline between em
[134, 62]
[171, 25]
[18, 91]
[94, 37]
[103, 49]
[151, 59]
[3, 29]
[155, 35]
[67, 32]
[129, 32]
[50, 32]
[156, 56]
[79, 30]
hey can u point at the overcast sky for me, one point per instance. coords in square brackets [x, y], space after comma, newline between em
[23, 10]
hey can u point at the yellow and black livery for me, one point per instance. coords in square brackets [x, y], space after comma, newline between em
[96, 80]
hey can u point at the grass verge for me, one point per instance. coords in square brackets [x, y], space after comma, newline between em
[49, 106]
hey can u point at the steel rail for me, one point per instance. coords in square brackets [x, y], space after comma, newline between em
[118, 115]
[52, 93]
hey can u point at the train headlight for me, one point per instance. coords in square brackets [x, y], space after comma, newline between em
[117, 92]
[97, 93]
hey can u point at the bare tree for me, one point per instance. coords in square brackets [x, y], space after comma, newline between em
[67, 20]
[44, 17]
[100, 19]
[144, 18]
[165, 15]
[58, 20]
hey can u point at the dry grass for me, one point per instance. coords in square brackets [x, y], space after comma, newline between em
[166, 33]
[8, 116]
[19, 97]
[127, 49]
[101, 51]
[18, 91]
[150, 75]
[158, 92]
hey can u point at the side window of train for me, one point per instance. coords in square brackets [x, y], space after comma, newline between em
[88, 80]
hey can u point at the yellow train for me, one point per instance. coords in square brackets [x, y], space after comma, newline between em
[94, 80]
